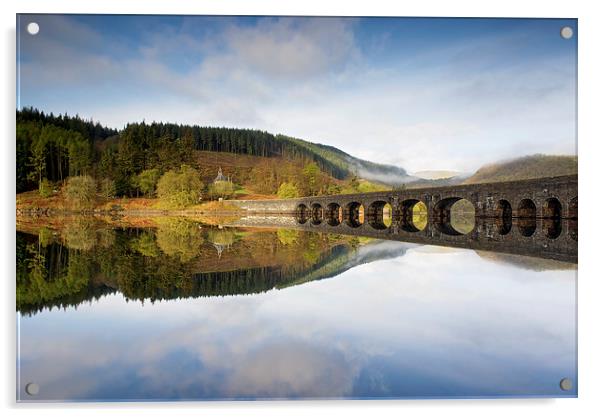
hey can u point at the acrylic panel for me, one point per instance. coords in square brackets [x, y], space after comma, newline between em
[271, 207]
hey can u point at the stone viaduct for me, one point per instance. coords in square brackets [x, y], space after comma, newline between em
[552, 197]
[538, 214]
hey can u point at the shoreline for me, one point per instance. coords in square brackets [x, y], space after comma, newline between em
[51, 212]
[34, 206]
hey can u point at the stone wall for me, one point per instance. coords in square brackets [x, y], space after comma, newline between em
[267, 206]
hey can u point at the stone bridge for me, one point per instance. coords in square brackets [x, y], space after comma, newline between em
[538, 216]
[542, 198]
[553, 197]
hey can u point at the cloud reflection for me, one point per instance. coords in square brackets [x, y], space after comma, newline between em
[424, 324]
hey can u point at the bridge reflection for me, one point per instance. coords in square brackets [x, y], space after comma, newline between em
[547, 238]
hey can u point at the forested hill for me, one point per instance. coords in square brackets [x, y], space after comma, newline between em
[331, 160]
[383, 173]
[532, 166]
[87, 128]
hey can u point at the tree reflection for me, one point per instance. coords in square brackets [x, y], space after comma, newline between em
[177, 259]
[179, 238]
[49, 272]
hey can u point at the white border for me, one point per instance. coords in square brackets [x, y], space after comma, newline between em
[590, 287]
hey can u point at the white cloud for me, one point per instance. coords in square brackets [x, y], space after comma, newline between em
[292, 48]
[453, 107]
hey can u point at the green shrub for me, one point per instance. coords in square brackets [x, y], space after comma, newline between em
[288, 190]
[147, 180]
[180, 188]
[107, 188]
[80, 192]
[223, 189]
[45, 188]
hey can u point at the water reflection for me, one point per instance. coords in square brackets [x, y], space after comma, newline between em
[552, 227]
[504, 225]
[552, 238]
[527, 226]
[178, 259]
[414, 216]
[247, 312]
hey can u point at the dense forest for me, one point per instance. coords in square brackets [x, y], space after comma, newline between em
[130, 162]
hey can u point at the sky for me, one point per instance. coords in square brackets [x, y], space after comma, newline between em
[420, 93]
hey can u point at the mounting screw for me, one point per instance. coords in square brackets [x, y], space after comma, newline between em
[566, 32]
[33, 28]
[566, 384]
[32, 388]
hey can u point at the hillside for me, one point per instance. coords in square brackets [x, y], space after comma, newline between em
[532, 166]
[147, 136]
[259, 177]
[382, 173]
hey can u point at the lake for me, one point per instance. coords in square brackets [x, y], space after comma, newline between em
[174, 309]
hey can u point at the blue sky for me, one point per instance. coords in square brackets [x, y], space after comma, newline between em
[421, 93]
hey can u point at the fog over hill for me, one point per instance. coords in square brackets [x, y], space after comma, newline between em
[439, 174]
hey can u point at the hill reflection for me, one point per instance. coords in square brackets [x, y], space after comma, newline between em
[178, 259]
[85, 259]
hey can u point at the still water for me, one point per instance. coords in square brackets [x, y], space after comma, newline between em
[182, 311]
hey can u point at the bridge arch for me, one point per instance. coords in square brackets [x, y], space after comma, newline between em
[354, 214]
[379, 215]
[454, 221]
[503, 216]
[526, 208]
[333, 214]
[503, 209]
[552, 213]
[552, 208]
[317, 213]
[527, 212]
[302, 213]
[411, 221]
